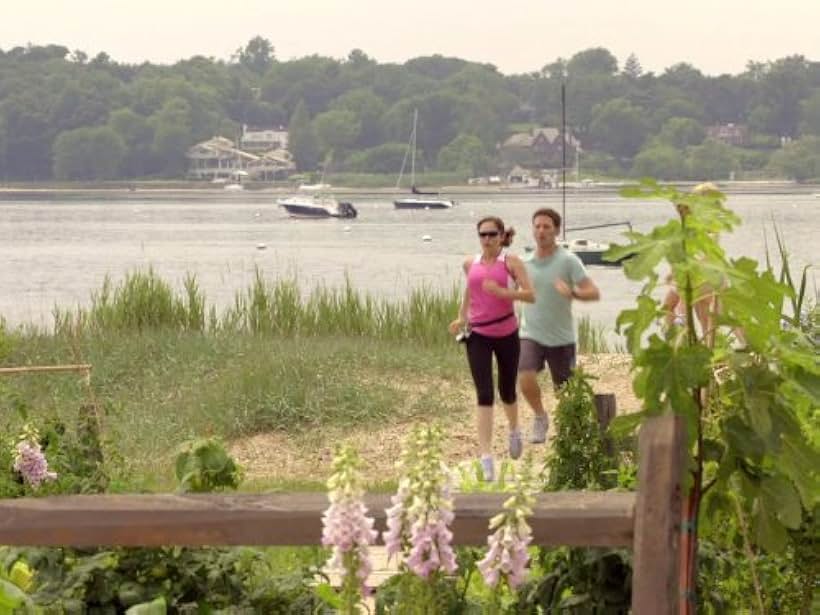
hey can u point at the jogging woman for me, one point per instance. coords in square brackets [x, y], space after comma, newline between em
[488, 325]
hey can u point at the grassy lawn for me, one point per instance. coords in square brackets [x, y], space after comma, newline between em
[160, 388]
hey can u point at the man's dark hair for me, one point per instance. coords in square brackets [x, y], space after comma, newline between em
[550, 213]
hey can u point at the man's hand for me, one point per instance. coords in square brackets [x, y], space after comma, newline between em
[563, 288]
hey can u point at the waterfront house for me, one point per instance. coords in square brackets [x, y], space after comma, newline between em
[538, 148]
[217, 158]
[731, 134]
[263, 139]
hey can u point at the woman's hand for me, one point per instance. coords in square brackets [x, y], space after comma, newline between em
[456, 326]
[494, 288]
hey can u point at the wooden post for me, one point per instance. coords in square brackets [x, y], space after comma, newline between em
[606, 409]
[661, 452]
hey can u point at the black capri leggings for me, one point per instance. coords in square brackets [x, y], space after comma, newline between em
[480, 349]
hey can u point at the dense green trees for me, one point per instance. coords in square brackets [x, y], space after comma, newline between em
[630, 121]
[94, 152]
[464, 153]
[302, 140]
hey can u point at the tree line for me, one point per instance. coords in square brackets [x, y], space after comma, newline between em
[66, 116]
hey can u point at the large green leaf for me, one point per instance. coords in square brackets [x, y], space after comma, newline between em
[779, 495]
[758, 407]
[155, 607]
[673, 374]
[769, 532]
[624, 425]
[634, 323]
[800, 462]
[11, 597]
[743, 440]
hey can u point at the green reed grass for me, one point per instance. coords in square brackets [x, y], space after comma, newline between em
[144, 301]
[140, 302]
[591, 337]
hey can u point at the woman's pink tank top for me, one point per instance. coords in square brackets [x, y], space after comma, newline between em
[485, 307]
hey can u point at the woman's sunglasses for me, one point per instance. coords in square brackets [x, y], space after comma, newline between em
[488, 233]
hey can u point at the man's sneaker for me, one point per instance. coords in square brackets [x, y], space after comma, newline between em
[540, 425]
[488, 468]
[516, 446]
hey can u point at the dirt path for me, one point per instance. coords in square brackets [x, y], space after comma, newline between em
[304, 457]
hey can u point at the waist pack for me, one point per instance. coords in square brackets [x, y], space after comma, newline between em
[491, 322]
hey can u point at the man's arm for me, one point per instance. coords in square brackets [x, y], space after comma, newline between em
[586, 290]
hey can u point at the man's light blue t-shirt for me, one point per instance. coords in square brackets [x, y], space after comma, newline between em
[548, 321]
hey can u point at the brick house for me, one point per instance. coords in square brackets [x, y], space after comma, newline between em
[538, 148]
[731, 134]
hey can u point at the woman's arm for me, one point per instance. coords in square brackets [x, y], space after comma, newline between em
[459, 323]
[523, 292]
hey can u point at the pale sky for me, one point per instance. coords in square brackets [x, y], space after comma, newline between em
[716, 36]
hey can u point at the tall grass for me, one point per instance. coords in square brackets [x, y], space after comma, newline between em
[804, 309]
[591, 337]
[143, 301]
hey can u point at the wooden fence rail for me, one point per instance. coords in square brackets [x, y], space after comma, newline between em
[647, 521]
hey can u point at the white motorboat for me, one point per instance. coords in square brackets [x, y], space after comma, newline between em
[315, 206]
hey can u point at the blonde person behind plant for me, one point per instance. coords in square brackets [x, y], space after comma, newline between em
[705, 303]
[488, 325]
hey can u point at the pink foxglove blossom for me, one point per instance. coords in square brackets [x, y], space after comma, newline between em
[507, 556]
[30, 461]
[418, 522]
[347, 528]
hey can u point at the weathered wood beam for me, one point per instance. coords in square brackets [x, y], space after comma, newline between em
[566, 518]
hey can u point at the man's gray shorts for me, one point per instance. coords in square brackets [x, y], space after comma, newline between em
[561, 360]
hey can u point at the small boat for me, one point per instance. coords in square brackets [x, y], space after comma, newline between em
[590, 252]
[420, 199]
[313, 207]
[423, 203]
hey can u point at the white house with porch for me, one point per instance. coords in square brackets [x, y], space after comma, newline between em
[217, 158]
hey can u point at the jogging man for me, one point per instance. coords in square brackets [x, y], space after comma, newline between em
[547, 328]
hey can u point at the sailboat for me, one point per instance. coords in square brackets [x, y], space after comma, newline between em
[420, 199]
[590, 252]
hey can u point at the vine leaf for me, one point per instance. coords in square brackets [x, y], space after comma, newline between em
[779, 494]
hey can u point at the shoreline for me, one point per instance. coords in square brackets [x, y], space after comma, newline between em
[198, 188]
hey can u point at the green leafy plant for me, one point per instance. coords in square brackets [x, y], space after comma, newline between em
[746, 386]
[578, 459]
[203, 465]
[15, 582]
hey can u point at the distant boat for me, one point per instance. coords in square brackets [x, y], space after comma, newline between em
[314, 187]
[590, 252]
[314, 202]
[420, 199]
[315, 206]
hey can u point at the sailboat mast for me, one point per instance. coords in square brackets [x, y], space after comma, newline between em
[413, 159]
[563, 161]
